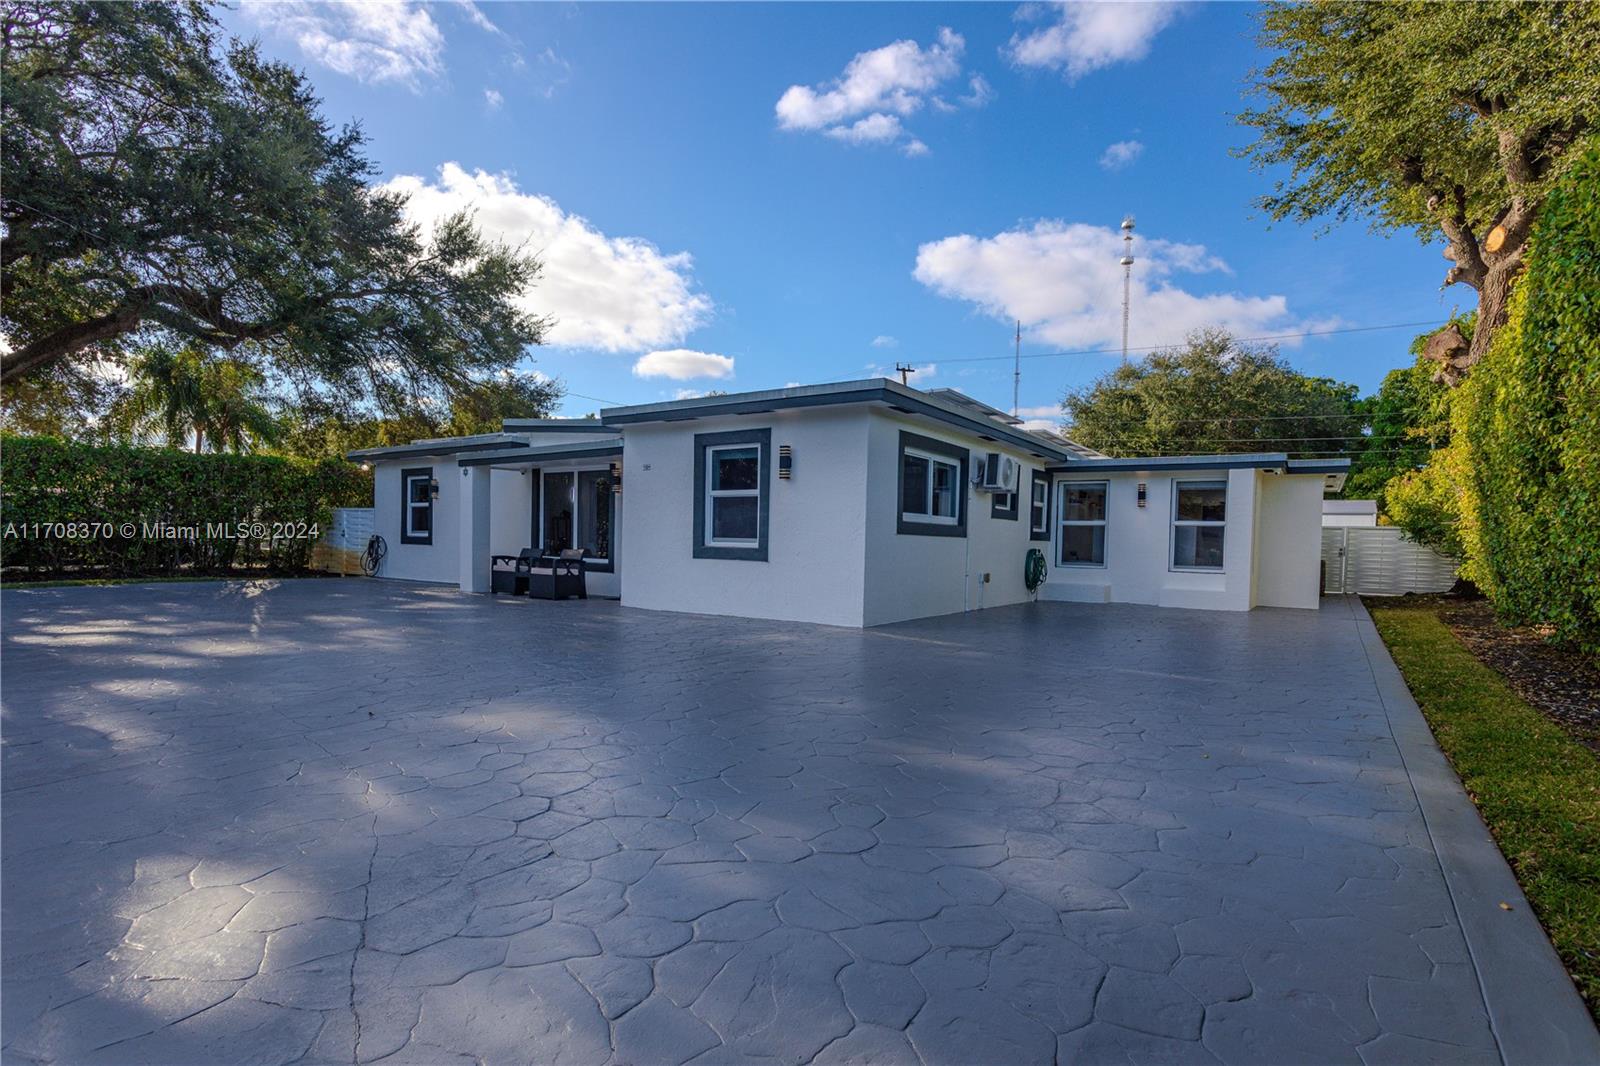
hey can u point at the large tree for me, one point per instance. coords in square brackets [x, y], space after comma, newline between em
[162, 180]
[1214, 395]
[1450, 119]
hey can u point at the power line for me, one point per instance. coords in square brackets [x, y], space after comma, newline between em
[1175, 344]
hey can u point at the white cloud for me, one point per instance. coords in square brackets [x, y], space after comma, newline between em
[874, 129]
[1063, 281]
[1045, 411]
[620, 294]
[1118, 155]
[982, 94]
[883, 340]
[879, 88]
[1084, 37]
[1041, 425]
[373, 41]
[493, 99]
[476, 16]
[683, 364]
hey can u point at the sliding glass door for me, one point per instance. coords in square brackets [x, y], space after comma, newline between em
[575, 512]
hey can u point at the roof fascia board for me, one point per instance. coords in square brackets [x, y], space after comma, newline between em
[548, 454]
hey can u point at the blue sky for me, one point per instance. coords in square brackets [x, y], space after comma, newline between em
[743, 196]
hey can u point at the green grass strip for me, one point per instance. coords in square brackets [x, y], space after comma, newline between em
[1536, 787]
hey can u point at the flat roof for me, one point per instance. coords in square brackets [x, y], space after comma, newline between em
[969, 417]
[1260, 460]
[1349, 506]
[547, 453]
[435, 446]
[557, 425]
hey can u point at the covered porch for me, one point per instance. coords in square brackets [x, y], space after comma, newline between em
[548, 498]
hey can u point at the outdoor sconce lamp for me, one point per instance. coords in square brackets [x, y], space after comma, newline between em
[616, 479]
[433, 487]
[1142, 494]
[785, 462]
[365, 466]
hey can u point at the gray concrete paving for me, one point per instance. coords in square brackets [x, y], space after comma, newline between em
[351, 821]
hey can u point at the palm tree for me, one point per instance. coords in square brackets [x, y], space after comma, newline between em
[185, 394]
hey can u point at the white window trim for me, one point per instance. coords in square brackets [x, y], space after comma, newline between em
[928, 517]
[1062, 521]
[1172, 537]
[412, 506]
[1042, 489]
[712, 495]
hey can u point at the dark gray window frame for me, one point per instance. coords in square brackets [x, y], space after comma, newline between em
[406, 475]
[1007, 513]
[1039, 478]
[917, 442]
[702, 441]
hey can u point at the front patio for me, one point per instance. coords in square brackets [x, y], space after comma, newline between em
[335, 821]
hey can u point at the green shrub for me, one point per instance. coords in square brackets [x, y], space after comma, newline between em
[45, 481]
[1529, 417]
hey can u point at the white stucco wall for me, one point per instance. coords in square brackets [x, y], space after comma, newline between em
[910, 576]
[1138, 552]
[418, 562]
[815, 541]
[1289, 541]
[510, 511]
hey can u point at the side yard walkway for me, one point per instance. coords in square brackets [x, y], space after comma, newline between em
[335, 822]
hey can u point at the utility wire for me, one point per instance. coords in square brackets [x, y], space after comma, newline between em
[1176, 344]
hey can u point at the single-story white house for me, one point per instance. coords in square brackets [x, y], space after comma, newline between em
[854, 503]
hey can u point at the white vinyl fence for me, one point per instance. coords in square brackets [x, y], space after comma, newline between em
[1379, 561]
[342, 543]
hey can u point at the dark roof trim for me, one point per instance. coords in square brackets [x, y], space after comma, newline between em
[873, 390]
[548, 454]
[414, 451]
[1260, 460]
[1319, 466]
[556, 425]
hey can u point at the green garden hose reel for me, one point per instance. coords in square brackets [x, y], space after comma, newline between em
[1033, 569]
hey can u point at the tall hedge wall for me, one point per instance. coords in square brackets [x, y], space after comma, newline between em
[68, 508]
[1529, 418]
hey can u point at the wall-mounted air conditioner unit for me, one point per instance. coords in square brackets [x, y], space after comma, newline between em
[995, 472]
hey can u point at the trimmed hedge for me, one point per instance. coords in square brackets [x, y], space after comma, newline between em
[50, 487]
[1530, 416]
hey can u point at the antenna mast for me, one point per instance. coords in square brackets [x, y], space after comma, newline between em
[1016, 375]
[1127, 279]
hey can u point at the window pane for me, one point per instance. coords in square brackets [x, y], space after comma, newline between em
[1203, 501]
[421, 518]
[1083, 503]
[1083, 545]
[944, 490]
[594, 513]
[735, 518]
[558, 512]
[418, 490]
[1199, 546]
[736, 468]
[914, 491]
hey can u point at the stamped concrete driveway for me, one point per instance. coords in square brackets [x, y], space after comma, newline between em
[349, 821]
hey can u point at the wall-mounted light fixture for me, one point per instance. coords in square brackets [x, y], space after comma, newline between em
[433, 487]
[616, 479]
[785, 462]
[365, 466]
[1142, 494]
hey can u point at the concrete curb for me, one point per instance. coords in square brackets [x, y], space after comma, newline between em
[1536, 1013]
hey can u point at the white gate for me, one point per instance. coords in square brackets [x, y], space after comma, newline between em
[1379, 561]
[342, 543]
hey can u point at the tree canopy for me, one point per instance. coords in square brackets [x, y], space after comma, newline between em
[1407, 420]
[162, 181]
[1453, 120]
[1214, 395]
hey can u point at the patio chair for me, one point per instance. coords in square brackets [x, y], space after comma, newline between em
[558, 577]
[510, 573]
